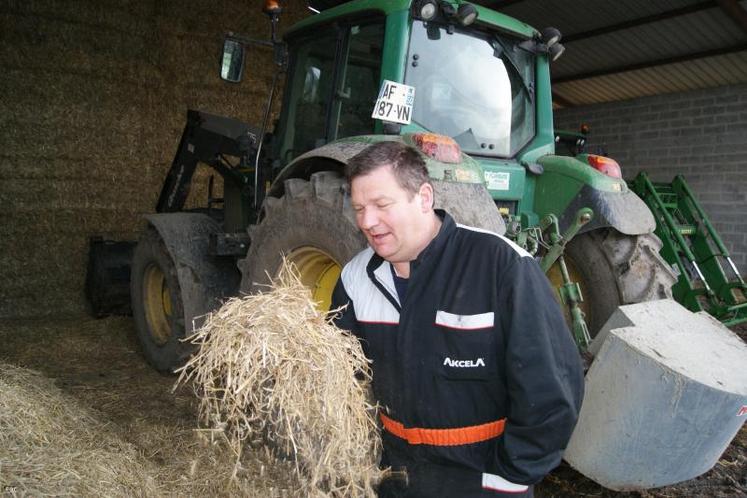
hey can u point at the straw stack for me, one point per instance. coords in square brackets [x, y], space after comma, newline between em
[272, 371]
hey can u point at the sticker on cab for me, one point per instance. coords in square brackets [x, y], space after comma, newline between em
[497, 180]
[465, 175]
[394, 102]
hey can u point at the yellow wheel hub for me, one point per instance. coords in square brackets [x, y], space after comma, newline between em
[318, 271]
[556, 280]
[157, 303]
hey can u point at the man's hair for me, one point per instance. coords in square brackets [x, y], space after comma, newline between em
[407, 164]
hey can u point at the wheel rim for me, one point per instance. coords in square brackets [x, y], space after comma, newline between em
[157, 303]
[556, 280]
[318, 271]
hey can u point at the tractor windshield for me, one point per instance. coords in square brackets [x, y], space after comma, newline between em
[475, 87]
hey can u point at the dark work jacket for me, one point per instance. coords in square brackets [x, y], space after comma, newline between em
[478, 338]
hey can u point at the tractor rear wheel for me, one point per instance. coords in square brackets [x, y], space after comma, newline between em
[312, 228]
[614, 269]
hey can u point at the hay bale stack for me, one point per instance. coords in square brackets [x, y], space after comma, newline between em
[50, 446]
[272, 371]
[94, 99]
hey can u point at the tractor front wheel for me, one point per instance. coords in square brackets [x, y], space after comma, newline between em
[157, 304]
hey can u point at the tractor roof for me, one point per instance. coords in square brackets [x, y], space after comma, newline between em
[333, 9]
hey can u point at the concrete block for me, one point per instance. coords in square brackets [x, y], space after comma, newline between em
[665, 395]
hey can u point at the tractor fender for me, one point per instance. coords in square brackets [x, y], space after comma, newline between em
[623, 211]
[568, 184]
[469, 203]
[204, 279]
[335, 155]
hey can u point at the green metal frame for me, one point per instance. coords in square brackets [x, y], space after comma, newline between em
[692, 246]
[570, 292]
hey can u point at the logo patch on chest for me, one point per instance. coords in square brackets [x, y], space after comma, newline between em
[479, 362]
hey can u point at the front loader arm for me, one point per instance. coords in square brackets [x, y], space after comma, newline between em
[205, 139]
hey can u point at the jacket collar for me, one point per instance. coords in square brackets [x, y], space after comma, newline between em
[380, 273]
[448, 226]
[378, 268]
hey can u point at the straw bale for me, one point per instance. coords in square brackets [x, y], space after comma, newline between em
[54, 169]
[64, 194]
[121, 14]
[198, 193]
[50, 446]
[272, 371]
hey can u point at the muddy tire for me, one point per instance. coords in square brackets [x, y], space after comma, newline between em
[615, 269]
[175, 282]
[314, 226]
[157, 304]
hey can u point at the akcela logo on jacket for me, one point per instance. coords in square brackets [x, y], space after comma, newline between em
[448, 362]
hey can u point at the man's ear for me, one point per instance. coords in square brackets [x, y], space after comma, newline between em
[426, 197]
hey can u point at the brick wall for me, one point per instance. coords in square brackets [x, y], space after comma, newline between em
[701, 135]
[93, 99]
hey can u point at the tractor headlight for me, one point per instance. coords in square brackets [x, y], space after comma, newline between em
[466, 14]
[425, 9]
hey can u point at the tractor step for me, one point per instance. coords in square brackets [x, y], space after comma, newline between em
[708, 279]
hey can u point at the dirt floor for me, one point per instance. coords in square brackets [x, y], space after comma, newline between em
[98, 363]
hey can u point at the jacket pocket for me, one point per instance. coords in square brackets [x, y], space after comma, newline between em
[465, 322]
[467, 349]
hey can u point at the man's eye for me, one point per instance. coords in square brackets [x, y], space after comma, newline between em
[383, 205]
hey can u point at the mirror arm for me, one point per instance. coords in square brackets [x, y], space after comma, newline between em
[249, 41]
[277, 46]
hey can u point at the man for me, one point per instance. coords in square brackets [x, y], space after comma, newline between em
[479, 380]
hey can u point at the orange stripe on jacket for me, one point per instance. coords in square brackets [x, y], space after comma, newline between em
[444, 437]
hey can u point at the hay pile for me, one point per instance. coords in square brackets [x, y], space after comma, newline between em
[51, 446]
[272, 371]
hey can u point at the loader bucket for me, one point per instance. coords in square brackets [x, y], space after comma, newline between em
[108, 277]
[665, 395]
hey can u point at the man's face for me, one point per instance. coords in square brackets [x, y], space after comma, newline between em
[393, 220]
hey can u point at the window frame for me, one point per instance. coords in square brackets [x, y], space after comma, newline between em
[286, 124]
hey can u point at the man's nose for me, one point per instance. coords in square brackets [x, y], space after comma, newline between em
[367, 219]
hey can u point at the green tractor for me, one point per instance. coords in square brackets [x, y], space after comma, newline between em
[468, 87]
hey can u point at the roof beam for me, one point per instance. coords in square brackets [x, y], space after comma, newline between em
[562, 101]
[653, 63]
[735, 12]
[668, 14]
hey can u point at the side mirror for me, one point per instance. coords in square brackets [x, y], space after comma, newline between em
[232, 61]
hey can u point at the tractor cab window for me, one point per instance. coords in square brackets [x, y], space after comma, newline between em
[332, 85]
[360, 81]
[311, 85]
[473, 86]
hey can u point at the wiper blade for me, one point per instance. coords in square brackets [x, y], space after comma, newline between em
[512, 64]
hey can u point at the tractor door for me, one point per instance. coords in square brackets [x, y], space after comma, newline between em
[333, 81]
